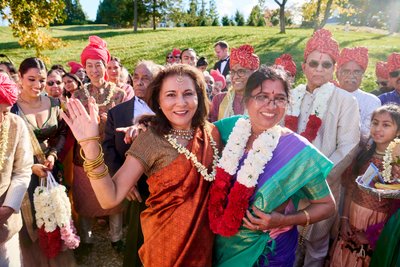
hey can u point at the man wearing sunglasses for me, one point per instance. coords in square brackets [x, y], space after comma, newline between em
[394, 80]
[382, 78]
[351, 67]
[329, 118]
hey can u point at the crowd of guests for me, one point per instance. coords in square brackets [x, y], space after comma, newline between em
[227, 166]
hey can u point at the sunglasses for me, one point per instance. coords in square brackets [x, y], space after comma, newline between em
[169, 57]
[51, 83]
[177, 56]
[394, 74]
[314, 64]
[382, 83]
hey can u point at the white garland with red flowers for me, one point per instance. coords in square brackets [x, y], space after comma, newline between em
[319, 105]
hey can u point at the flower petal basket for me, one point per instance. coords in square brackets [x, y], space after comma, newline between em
[380, 193]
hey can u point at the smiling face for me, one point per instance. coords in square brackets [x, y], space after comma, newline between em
[322, 73]
[113, 71]
[383, 130]
[239, 76]
[178, 101]
[4, 110]
[350, 76]
[54, 85]
[70, 84]
[263, 113]
[95, 69]
[33, 82]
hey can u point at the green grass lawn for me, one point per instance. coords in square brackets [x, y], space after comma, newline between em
[154, 45]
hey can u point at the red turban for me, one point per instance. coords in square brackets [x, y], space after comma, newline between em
[75, 66]
[96, 49]
[381, 70]
[245, 57]
[323, 42]
[218, 77]
[357, 54]
[393, 62]
[8, 90]
[286, 61]
[176, 52]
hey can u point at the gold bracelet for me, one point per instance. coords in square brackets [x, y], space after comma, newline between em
[303, 232]
[344, 218]
[90, 165]
[307, 216]
[94, 138]
[96, 176]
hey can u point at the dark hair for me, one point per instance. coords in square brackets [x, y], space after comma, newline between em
[11, 68]
[59, 68]
[266, 73]
[56, 71]
[31, 63]
[187, 49]
[202, 62]
[366, 153]
[222, 44]
[160, 121]
[76, 79]
[116, 59]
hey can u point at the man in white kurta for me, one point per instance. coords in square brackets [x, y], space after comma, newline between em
[16, 159]
[351, 67]
[329, 118]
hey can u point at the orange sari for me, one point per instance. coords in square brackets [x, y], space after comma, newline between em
[175, 224]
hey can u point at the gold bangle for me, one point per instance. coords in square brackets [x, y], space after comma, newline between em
[303, 232]
[95, 176]
[307, 217]
[344, 218]
[94, 138]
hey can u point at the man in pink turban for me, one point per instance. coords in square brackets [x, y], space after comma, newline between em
[16, 159]
[382, 78]
[351, 67]
[393, 65]
[78, 70]
[286, 61]
[329, 118]
[219, 82]
[243, 62]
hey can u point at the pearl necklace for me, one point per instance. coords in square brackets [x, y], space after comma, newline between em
[189, 155]
[5, 126]
[108, 99]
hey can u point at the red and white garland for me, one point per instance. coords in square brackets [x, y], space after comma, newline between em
[227, 209]
[319, 107]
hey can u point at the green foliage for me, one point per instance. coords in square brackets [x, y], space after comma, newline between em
[273, 16]
[119, 13]
[256, 17]
[239, 18]
[73, 13]
[225, 21]
[213, 13]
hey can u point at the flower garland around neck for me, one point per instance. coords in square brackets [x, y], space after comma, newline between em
[318, 111]
[5, 126]
[388, 160]
[227, 209]
[109, 96]
[190, 156]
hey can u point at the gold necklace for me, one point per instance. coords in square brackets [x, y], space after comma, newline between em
[183, 134]
[5, 126]
[379, 153]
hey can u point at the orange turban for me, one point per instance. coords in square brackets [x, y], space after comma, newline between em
[393, 62]
[75, 66]
[323, 42]
[244, 55]
[8, 90]
[356, 54]
[381, 70]
[218, 77]
[286, 61]
[96, 49]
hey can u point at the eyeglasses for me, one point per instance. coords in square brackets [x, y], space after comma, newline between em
[262, 99]
[314, 64]
[394, 74]
[51, 83]
[169, 57]
[382, 83]
[240, 73]
[356, 73]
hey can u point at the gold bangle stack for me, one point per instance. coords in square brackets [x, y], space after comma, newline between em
[93, 138]
[90, 165]
[303, 232]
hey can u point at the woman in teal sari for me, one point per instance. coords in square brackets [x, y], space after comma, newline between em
[263, 172]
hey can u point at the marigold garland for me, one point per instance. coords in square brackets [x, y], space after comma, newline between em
[109, 96]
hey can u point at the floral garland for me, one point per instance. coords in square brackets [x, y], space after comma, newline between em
[317, 113]
[109, 96]
[53, 218]
[388, 160]
[189, 155]
[5, 126]
[227, 209]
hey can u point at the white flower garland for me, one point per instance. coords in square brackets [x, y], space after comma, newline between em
[5, 126]
[109, 96]
[189, 155]
[387, 161]
[259, 155]
[320, 103]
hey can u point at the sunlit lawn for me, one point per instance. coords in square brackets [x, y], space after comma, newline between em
[149, 44]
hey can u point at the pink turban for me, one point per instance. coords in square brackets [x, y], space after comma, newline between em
[286, 61]
[393, 62]
[381, 70]
[96, 49]
[244, 55]
[176, 52]
[218, 77]
[323, 42]
[75, 66]
[8, 90]
[357, 54]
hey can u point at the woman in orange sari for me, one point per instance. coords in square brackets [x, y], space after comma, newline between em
[178, 153]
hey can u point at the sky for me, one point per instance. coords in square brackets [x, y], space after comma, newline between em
[225, 7]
